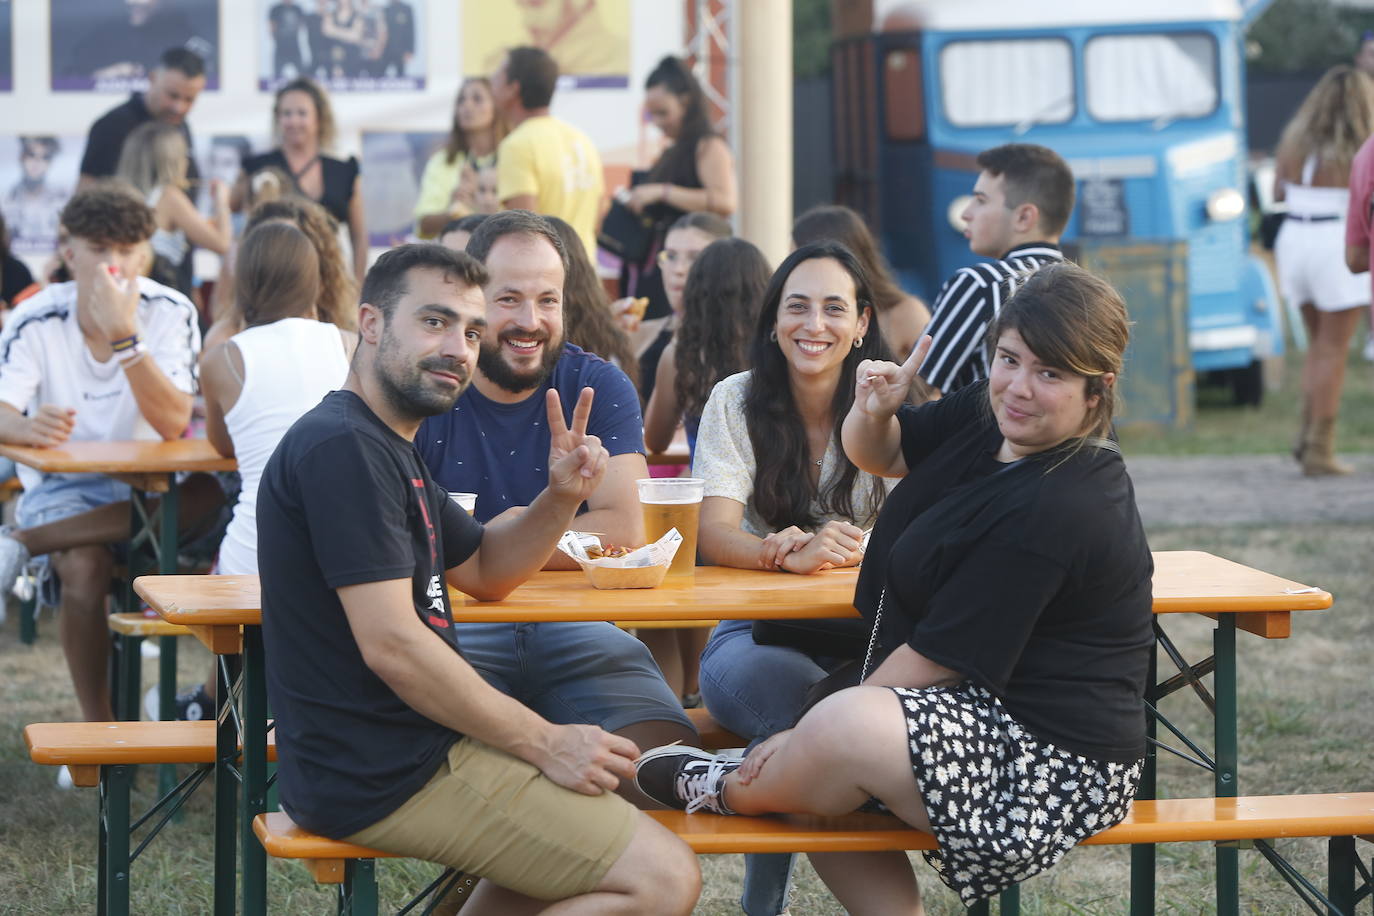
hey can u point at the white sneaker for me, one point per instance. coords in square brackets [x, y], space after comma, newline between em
[14, 556]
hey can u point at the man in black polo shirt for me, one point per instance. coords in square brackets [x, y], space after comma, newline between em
[386, 736]
[172, 90]
[1021, 204]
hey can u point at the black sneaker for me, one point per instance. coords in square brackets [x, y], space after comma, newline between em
[685, 777]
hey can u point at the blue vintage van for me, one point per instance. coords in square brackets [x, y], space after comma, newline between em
[1145, 101]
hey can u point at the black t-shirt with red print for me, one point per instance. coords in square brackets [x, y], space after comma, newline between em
[345, 501]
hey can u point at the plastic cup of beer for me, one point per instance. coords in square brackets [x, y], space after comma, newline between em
[673, 502]
[466, 501]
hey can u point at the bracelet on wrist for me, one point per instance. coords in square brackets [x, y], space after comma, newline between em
[129, 354]
[125, 344]
[126, 363]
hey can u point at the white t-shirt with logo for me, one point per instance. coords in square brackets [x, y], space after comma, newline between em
[44, 360]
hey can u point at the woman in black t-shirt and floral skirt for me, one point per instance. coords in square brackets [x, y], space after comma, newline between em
[1009, 582]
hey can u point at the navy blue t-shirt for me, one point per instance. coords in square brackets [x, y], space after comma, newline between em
[501, 451]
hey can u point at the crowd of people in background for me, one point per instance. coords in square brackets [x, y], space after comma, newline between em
[964, 446]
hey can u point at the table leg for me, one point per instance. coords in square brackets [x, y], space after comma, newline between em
[254, 771]
[167, 529]
[1227, 756]
[128, 676]
[226, 795]
[1143, 854]
[115, 784]
[167, 663]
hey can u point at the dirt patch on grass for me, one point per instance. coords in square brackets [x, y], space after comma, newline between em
[1247, 490]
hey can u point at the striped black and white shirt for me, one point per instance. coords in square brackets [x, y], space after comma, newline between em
[966, 305]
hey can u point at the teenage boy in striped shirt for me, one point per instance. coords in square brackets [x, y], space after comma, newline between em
[1021, 204]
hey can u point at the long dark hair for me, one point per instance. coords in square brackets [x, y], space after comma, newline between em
[587, 321]
[782, 485]
[836, 223]
[719, 308]
[678, 162]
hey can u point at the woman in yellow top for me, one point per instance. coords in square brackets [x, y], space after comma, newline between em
[448, 188]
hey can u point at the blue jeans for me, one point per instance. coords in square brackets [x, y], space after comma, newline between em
[59, 496]
[756, 691]
[572, 673]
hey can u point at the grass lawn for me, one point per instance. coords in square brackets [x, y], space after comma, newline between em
[1220, 428]
[1306, 726]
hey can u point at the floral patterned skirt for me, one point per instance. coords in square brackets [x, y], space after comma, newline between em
[1003, 804]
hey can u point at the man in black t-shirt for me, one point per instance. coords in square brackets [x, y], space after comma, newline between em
[386, 736]
[172, 90]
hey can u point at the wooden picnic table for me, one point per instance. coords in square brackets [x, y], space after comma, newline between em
[148, 467]
[225, 613]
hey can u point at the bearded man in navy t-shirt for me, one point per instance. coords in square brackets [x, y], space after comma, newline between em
[495, 443]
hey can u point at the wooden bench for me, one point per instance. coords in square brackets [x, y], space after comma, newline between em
[713, 736]
[105, 754]
[130, 629]
[1339, 817]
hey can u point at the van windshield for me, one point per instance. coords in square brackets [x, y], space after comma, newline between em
[1007, 81]
[1151, 77]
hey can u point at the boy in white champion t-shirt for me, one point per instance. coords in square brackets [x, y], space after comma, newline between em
[108, 356]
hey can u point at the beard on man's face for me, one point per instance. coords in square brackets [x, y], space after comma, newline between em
[491, 360]
[410, 390]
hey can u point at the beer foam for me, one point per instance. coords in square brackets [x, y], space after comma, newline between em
[669, 502]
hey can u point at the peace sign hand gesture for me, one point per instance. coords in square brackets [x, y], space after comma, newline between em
[577, 461]
[880, 387]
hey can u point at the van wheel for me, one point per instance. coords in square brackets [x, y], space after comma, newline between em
[1247, 384]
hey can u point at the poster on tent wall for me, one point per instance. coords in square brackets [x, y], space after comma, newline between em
[105, 46]
[37, 175]
[590, 39]
[347, 45]
[6, 45]
[393, 162]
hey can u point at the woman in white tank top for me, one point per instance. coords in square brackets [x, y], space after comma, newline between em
[260, 381]
[1313, 176]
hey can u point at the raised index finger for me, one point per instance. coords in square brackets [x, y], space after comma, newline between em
[554, 406]
[917, 356]
[583, 411]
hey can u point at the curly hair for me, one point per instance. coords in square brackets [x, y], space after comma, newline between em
[1333, 121]
[111, 213]
[587, 321]
[338, 303]
[324, 112]
[782, 485]
[720, 305]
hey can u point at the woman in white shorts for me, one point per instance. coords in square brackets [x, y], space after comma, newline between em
[1313, 176]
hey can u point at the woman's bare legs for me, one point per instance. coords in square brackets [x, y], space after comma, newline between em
[851, 747]
[870, 883]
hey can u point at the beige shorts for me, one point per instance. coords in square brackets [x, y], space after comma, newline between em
[490, 814]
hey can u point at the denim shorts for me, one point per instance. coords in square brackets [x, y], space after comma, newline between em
[572, 673]
[60, 496]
